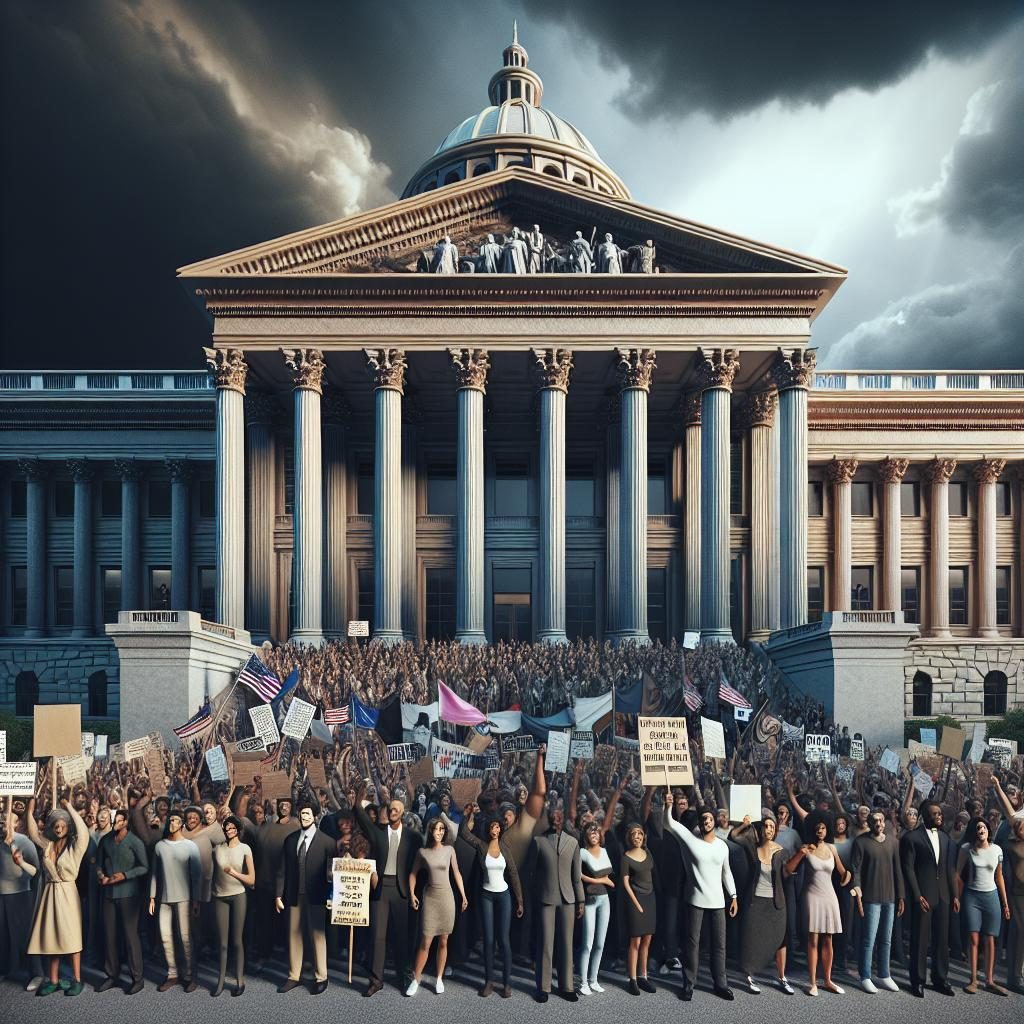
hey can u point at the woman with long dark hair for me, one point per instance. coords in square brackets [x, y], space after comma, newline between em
[641, 909]
[596, 872]
[233, 875]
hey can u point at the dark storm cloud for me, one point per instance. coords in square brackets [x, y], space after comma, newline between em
[727, 59]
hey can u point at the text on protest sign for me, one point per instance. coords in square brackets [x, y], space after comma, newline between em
[217, 763]
[3, 745]
[557, 757]
[132, 749]
[929, 737]
[817, 747]
[73, 769]
[454, 762]
[296, 723]
[517, 743]
[17, 778]
[582, 746]
[251, 745]
[358, 627]
[154, 759]
[664, 752]
[1001, 752]
[713, 737]
[264, 724]
[403, 753]
[101, 745]
[351, 898]
[856, 750]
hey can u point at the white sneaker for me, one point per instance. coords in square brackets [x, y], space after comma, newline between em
[784, 984]
[869, 986]
[34, 983]
[413, 988]
[594, 987]
[888, 984]
[752, 986]
[585, 989]
[439, 986]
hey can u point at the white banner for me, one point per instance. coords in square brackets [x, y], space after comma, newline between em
[296, 723]
[17, 778]
[744, 801]
[264, 723]
[454, 762]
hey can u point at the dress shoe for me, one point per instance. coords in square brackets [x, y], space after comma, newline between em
[135, 988]
[189, 985]
[944, 987]
[238, 990]
[633, 988]
[917, 990]
[645, 985]
[569, 996]
[540, 997]
[287, 985]
[371, 990]
[724, 993]
[686, 992]
[319, 988]
[106, 985]
[506, 992]
[487, 989]
[166, 986]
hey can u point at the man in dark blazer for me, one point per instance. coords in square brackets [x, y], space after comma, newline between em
[929, 868]
[394, 848]
[555, 862]
[303, 885]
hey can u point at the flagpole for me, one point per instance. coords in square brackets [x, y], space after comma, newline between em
[216, 721]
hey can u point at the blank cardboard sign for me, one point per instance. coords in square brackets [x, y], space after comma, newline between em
[56, 730]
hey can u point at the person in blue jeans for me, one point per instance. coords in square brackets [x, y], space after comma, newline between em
[596, 869]
[879, 892]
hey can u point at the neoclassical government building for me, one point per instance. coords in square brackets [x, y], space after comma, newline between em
[516, 403]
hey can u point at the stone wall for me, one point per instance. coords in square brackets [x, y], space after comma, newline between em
[63, 667]
[958, 670]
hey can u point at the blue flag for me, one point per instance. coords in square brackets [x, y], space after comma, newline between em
[286, 687]
[363, 716]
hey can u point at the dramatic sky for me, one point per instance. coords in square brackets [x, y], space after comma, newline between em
[141, 135]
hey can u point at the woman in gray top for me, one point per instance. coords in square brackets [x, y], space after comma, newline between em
[233, 874]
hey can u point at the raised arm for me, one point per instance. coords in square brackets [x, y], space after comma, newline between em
[689, 840]
[1004, 800]
[798, 812]
[535, 801]
[31, 828]
[466, 829]
[609, 814]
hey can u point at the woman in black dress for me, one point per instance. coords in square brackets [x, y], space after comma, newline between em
[637, 872]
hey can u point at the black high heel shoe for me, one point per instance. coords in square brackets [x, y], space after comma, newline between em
[238, 989]
[217, 991]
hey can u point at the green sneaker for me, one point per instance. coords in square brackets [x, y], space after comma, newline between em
[64, 984]
[47, 988]
[74, 989]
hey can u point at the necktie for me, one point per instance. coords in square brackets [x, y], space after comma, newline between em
[303, 843]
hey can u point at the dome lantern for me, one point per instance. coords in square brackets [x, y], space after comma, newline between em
[515, 81]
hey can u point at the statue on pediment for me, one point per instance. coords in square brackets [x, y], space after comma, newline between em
[489, 261]
[535, 241]
[515, 253]
[641, 258]
[446, 257]
[581, 256]
[609, 257]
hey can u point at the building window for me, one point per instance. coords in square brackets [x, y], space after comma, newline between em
[207, 499]
[580, 604]
[64, 499]
[364, 599]
[364, 487]
[19, 595]
[815, 593]
[440, 604]
[208, 592]
[995, 693]
[862, 588]
[512, 610]
[158, 496]
[441, 490]
[98, 695]
[1003, 595]
[815, 499]
[579, 490]
[922, 695]
[862, 495]
[160, 586]
[511, 488]
[910, 499]
[958, 595]
[19, 499]
[657, 493]
[289, 479]
[110, 581]
[1004, 501]
[63, 595]
[110, 499]
[910, 593]
[657, 611]
[958, 499]
[26, 694]
[736, 477]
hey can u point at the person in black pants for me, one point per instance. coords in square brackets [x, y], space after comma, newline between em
[929, 868]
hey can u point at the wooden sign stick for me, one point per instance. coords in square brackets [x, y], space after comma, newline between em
[351, 944]
[53, 768]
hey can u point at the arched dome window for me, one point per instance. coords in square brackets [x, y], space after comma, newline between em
[554, 170]
[451, 177]
[482, 169]
[922, 695]
[996, 686]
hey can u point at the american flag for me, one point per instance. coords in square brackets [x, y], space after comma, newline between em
[336, 716]
[258, 678]
[196, 724]
[694, 701]
[731, 696]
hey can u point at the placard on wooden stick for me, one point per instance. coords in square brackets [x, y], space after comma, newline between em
[664, 752]
[56, 730]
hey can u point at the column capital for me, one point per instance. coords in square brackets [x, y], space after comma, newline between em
[842, 471]
[471, 366]
[988, 471]
[553, 366]
[717, 368]
[759, 408]
[261, 407]
[181, 470]
[307, 368]
[939, 471]
[228, 368]
[81, 470]
[335, 409]
[794, 368]
[33, 469]
[689, 407]
[387, 365]
[891, 471]
[635, 366]
[129, 469]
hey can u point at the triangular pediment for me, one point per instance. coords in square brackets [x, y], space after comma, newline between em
[393, 238]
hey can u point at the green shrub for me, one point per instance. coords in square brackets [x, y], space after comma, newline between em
[1009, 727]
[912, 727]
[19, 733]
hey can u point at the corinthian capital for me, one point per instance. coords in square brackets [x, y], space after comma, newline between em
[307, 366]
[179, 469]
[388, 367]
[842, 471]
[794, 368]
[227, 365]
[81, 470]
[689, 406]
[33, 469]
[717, 367]
[891, 471]
[129, 469]
[939, 471]
[553, 366]
[759, 408]
[470, 366]
[988, 471]
[635, 366]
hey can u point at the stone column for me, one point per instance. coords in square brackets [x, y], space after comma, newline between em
[412, 416]
[635, 368]
[36, 474]
[937, 473]
[307, 369]
[336, 415]
[986, 474]
[841, 473]
[612, 451]
[261, 413]
[553, 368]
[793, 371]
[470, 366]
[181, 534]
[84, 569]
[718, 369]
[388, 368]
[890, 475]
[691, 513]
[229, 370]
[760, 418]
[773, 586]
[131, 473]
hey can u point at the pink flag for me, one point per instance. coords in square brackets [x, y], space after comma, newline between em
[454, 709]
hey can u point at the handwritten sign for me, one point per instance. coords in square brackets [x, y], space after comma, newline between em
[117, 753]
[465, 791]
[713, 736]
[817, 747]
[264, 724]
[582, 746]
[154, 759]
[856, 750]
[350, 904]
[454, 762]
[1001, 752]
[135, 748]
[358, 627]
[517, 744]
[890, 761]
[664, 752]
[296, 723]
[17, 778]
[73, 769]
[217, 763]
[690, 640]
[923, 784]
[557, 757]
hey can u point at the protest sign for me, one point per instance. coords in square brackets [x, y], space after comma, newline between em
[557, 757]
[358, 627]
[517, 743]
[844, 774]
[420, 772]
[492, 759]
[691, 639]
[117, 753]
[276, 785]
[243, 773]
[135, 748]
[983, 780]
[1000, 752]
[154, 759]
[582, 745]
[478, 742]
[402, 753]
[217, 764]
[952, 743]
[917, 749]
[264, 723]
[856, 750]
[817, 747]
[977, 751]
[713, 736]
[73, 769]
[744, 801]
[929, 737]
[465, 791]
[931, 763]
[17, 778]
[101, 745]
[454, 762]
[742, 714]
[351, 898]
[316, 773]
[3, 745]
[890, 761]
[664, 752]
[923, 784]
[156, 739]
[251, 745]
[296, 723]
[56, 730]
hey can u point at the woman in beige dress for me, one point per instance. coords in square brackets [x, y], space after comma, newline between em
[438, 918]
[57, 924]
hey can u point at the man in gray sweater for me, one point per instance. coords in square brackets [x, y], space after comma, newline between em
[121, 862]
[177, 880]
[878, 890]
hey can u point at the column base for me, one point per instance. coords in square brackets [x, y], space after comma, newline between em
[307, 637]
[81, 633]
[989, 633]
[759, 635]
[630, 636]
[940, 634]
[34, 633]
[388, 636]
[717, 635]
[552, 636]
[471, 636]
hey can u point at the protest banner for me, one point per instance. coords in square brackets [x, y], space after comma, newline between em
[56, 730]
[557, 757]
[465, 791]
[517, 743]
[420, 772]
[350, 900]
[929, 737]
[856, 750]
[713, 736]
[132, 749]
[296, 722]
[73, 769]
[454, 762]
[744, 801]
[890, 761]
[316, 773]
[492, 759]
[217, 763]
[402, 753]
[17, 778]
[664, 752]
[582, 746]
[923, 784]
[154, 760]
[264, 724]
[276, 785]
[952, 742]
[817, 747]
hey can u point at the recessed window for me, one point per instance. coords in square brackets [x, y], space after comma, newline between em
[958, 499]
[910, 499]
[657, 490]
[110, 499]
[364, 598]
[815, 498]
[861, 498]
[110, 580]
[1004, 502]
[815, 593]
[160, 586]
[736, 477]
[511, 488]
[922, 695]
[580, 603]
[19, 499]
[996, 685]
[207, 498]
[63, 595]
[579, 490]
[64, 499]
[958, 595]
[1003, 595]
[98, 695]
[862, 588]
[440, 604]
[441, 500]
[19, 594]
[910, 593]
[159, 499]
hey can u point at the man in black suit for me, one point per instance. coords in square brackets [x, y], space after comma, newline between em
[394, 848]
[304, 885]
[929, 867]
